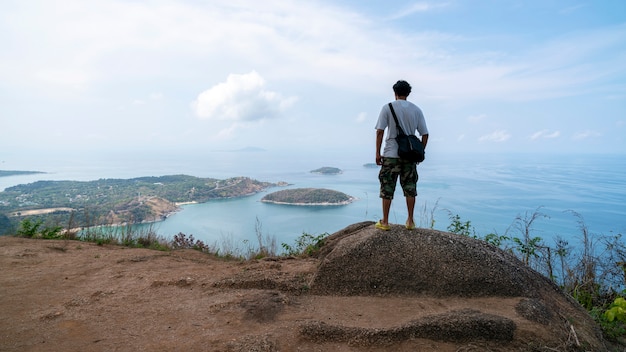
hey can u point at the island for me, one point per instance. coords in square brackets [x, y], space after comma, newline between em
[308, 196]
[117, 201]
[326, 170]
[370, 165]
[15, 173]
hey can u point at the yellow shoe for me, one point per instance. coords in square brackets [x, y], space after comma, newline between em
[380, 226]
[410, 226]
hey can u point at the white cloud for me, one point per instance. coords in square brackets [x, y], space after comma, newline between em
[421, 6]
[287, 40]
[153, 97]
[587, 135]
[156, 96]
[495, 136]
[227, 132]
[571, 9]
[545, 134]
[361, 117]
[69, 78]
[477, 118]
[243, 97]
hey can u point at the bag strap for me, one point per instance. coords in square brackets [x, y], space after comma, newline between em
[400, 130]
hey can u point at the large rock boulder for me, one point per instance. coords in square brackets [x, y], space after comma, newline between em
[361, 260]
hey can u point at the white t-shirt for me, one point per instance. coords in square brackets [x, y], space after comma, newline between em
[411, 119]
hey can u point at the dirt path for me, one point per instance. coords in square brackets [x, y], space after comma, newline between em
[40, 211]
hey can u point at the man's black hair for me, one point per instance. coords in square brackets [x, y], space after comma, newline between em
[402, 88]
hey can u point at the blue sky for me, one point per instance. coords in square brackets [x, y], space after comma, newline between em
[506, 76]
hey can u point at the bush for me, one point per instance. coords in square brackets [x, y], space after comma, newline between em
[181, 241]
[29, 228]
[617, 310]
[613, 320]
[306, 244]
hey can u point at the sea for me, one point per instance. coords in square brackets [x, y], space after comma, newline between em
[491, 191]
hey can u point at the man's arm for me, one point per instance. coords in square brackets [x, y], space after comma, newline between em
[379, 143]
[425, 140]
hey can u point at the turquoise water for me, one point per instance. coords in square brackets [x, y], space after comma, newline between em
[488, 190]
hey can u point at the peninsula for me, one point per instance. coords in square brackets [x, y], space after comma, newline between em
[308, 196]
[116, 201]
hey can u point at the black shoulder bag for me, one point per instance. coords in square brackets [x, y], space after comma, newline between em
[409, 146]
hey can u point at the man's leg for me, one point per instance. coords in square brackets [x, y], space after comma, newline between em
[388, 177]
[408, 181]
[386, 207]
[410, 207]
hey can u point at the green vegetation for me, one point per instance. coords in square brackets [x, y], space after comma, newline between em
[327, 171]
[613, 320]
[305, 245]
[30, 229]
[461, 228]
[6, 226]
[308, 196]
[127, 235]
[617, 310]
[182, 241]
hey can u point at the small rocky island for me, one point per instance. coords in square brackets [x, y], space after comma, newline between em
[326, 170]
[308, 196]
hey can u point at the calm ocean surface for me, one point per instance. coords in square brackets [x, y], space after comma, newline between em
[488, 190]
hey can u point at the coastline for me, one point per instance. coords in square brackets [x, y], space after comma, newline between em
[311, 204]
[326, 173]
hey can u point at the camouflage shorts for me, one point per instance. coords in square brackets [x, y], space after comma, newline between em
[388, 176]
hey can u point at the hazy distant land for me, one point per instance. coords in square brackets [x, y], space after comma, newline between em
[16, 172]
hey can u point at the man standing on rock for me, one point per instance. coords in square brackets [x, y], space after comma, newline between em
[411, 119]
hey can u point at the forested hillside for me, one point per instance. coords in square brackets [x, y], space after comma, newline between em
[118, 200]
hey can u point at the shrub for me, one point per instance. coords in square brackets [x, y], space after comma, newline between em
[29, 228]
[181, 241]
[461, 228]
[306, 244]
[617, 310]
[613, 320]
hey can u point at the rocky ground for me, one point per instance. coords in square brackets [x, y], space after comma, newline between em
[367, 290]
